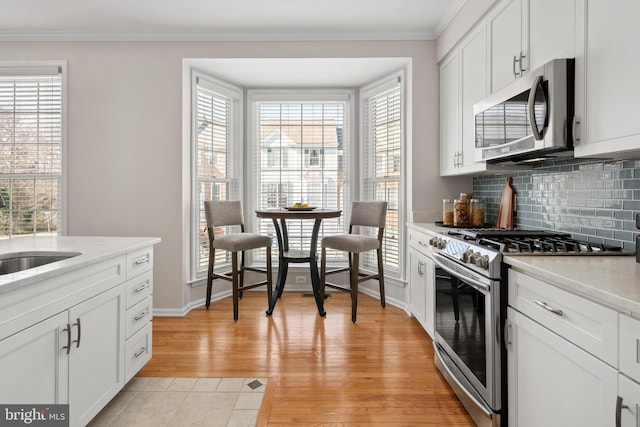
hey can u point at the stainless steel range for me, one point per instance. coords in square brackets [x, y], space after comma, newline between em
[470, 301]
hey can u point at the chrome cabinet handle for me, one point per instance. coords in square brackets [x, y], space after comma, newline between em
[139, 353]
[517, 59]
[141, 288]
[143, 261]
[421, 243]
[79, 330]
[550, 309]
[619, 408]
[68, 346]
[574, 126]
[141, 316]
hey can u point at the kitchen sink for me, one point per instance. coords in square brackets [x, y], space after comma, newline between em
[14, 262]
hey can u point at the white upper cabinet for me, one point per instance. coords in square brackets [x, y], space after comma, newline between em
[525, 34]
[607, 70]
[551, 30]
[449, 114]
[506, 45]
[463, 82]
[473, 63]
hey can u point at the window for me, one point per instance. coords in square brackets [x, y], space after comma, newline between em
[216, 146]
[31, 150]
[298, 150]
[382, 141]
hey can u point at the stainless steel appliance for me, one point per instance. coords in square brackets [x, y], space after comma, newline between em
[470, 301]
[531, 118]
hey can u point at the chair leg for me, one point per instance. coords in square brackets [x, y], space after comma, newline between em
[235, 274]
[241, 274]
[212, 257]
[381, 278]
[354, 286]
[269, 277]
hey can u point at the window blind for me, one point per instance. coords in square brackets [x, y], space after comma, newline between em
[216, 162]
[31, 151]
[381, 166]
[300, 152]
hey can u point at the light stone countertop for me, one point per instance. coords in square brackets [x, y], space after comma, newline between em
[613, 281]
[93, 250]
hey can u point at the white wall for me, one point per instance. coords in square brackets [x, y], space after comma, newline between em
[125, 136]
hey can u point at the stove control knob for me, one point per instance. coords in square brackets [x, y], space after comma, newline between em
[432, 241]
[440, 244]
[483, 262]
[467, 256]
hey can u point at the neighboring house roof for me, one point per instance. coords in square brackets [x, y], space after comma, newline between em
[308, 133]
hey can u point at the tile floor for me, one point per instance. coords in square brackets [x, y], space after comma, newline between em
[211, 402]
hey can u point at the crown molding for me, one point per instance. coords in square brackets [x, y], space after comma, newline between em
[210, 37]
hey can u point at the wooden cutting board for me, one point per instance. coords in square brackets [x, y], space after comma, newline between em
[507, 206]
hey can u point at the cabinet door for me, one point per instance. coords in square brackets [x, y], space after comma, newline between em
[504, 35]
[429, 287]
[552, 382]
[473, 63]
[629, 393]
[33, 364]
[96, 361]
[551, 31]
[449, 114]
[607, 70]
[417, 288]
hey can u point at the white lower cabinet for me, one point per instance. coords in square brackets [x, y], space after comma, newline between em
[74, 357]
[32, 361]
[553, 382]
[77, 341]
[96, 357]
[628, 404]
[421, 280]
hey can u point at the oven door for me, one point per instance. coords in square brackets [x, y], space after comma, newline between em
[467, 321]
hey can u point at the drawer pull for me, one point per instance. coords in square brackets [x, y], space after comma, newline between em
[143, 261]
[421, 243]
[141, 288]
[546, 307]
[141, 316]
[139, 353]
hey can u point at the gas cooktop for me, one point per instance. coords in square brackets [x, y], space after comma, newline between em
[534, 242]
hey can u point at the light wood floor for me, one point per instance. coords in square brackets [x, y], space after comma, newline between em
[322, 371]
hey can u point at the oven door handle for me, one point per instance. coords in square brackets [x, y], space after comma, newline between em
[468, 280]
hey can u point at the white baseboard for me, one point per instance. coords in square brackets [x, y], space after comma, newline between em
[172, 312]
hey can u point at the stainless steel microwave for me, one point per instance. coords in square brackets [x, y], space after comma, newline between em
[529, 119]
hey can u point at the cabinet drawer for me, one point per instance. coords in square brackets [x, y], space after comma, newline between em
[139, 261]
[138, 316]
[586, 324]
[419, 241]
[137, 352]
[139, 288]
[630, 347]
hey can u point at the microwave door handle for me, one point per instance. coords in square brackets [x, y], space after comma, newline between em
[532, 108]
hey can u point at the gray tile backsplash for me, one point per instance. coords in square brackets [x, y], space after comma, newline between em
[594, 200]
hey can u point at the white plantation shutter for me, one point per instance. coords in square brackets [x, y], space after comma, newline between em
[300, 150]
[31, 151]
[216, 148]
[382, 137]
